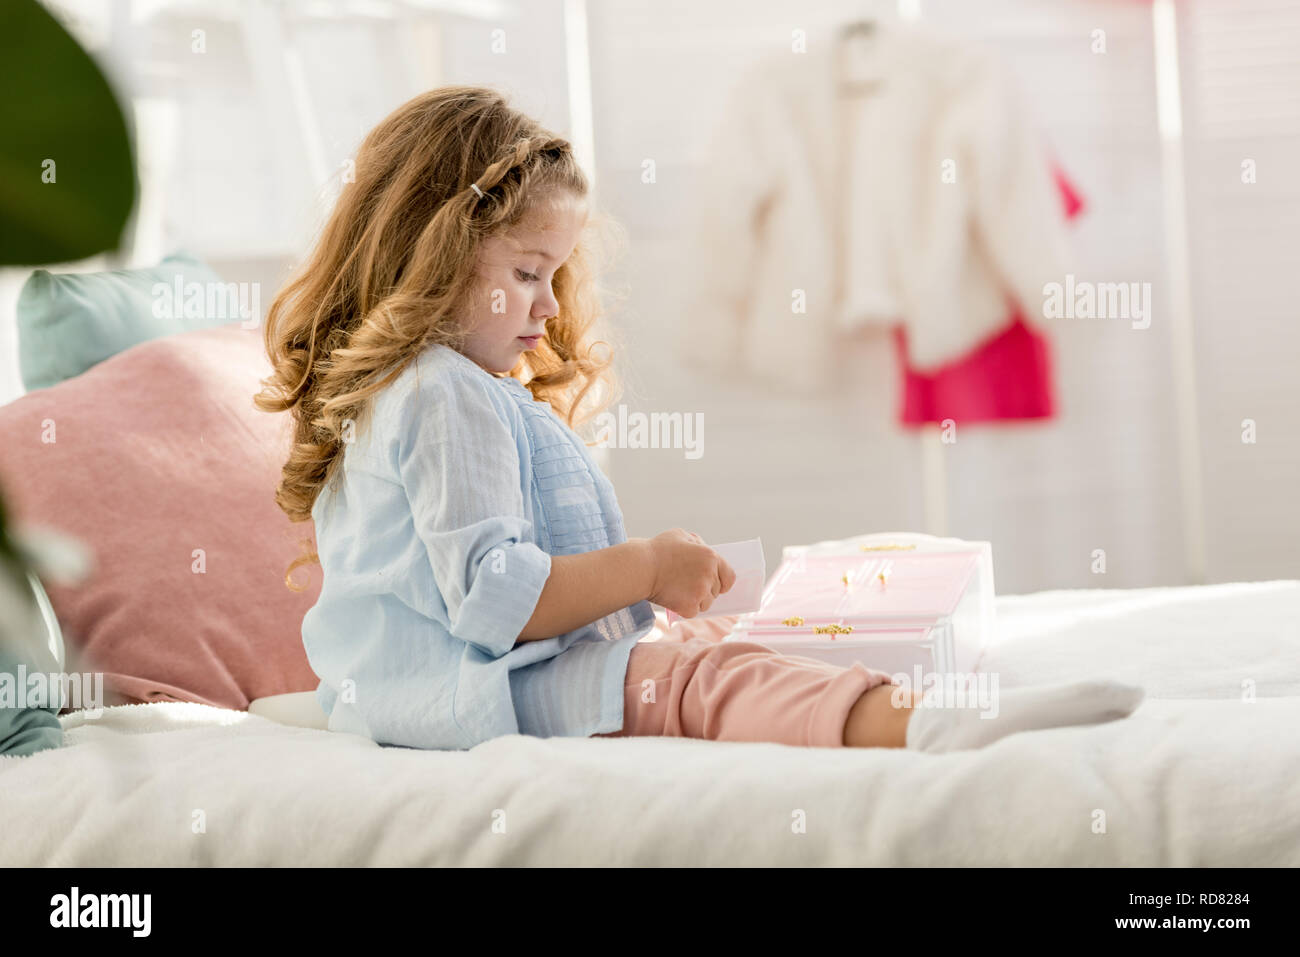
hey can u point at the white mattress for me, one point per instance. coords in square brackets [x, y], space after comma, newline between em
[1196, 776]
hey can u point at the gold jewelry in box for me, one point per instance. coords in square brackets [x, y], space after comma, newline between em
[831, 630]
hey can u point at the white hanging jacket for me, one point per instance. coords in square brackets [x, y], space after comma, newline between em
[928, 201]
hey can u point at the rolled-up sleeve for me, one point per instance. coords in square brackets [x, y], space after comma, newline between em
[459, 461]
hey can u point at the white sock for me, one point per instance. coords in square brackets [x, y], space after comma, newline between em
[937, 729]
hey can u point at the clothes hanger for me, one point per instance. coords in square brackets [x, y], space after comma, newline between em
[855, 50]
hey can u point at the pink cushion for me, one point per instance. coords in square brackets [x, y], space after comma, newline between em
[158, 453]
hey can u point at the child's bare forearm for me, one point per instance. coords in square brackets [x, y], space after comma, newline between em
[587, 587]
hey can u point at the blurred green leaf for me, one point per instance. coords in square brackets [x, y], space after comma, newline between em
[57, 106]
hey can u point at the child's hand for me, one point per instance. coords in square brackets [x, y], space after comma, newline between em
[688, 575]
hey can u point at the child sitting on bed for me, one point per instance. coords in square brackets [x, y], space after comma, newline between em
[436, 352]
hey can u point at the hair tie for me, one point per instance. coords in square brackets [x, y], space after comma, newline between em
[474, 187]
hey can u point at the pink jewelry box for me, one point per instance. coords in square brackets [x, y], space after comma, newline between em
[934, 608]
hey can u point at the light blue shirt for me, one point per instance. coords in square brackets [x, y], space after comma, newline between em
[436, 540]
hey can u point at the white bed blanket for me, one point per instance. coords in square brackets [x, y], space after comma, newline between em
[1197, 776]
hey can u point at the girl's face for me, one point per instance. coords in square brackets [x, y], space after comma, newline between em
[515, 271]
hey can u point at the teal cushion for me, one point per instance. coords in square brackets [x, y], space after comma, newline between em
[29, 636]
[71, 321]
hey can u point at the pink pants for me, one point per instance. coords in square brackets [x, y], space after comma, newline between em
[683, 681]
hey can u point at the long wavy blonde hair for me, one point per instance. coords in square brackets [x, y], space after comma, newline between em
[394, 271]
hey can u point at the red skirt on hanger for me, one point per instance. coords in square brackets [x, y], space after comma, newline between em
[1008, 377]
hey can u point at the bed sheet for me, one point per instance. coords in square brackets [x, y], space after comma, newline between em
[1206, 772]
